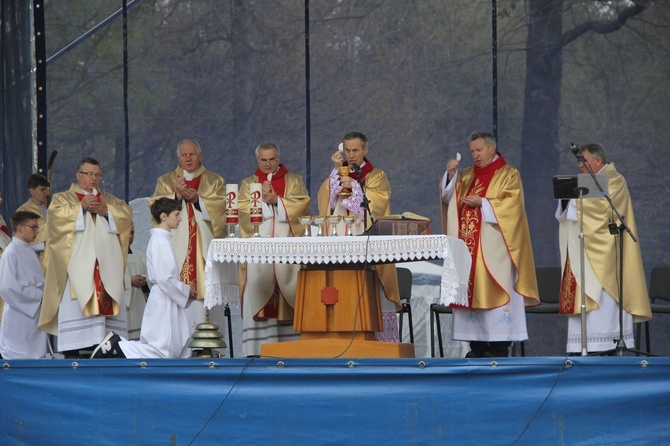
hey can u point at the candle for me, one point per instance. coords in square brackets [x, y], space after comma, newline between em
[256, 206]
[231, 204]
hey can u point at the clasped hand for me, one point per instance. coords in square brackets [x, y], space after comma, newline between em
[94, 204]
[269, 194]
[183, 191]
[473, 201]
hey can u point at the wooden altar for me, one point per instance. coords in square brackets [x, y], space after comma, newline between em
[337, 308]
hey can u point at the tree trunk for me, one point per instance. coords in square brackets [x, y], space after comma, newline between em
[539, 137]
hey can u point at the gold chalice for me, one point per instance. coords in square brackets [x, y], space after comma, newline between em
[319, 220]
[344, 172]
[306, 220]
[333, 220]
[350, 220]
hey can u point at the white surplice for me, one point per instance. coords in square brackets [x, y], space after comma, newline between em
[21, 287]
[165, 326]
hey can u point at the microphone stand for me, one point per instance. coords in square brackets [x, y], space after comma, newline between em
[581, 191]
[582, 275]
[365, 204]
[614, 230]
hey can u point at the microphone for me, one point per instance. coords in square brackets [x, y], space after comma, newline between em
[357, 169]
[575, 151]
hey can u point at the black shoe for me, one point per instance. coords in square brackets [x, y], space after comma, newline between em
[499, 349]
[109, 347]
[477, 349]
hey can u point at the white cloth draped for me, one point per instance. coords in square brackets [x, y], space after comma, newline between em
[221, 273]
[21, 287]
[165, 327]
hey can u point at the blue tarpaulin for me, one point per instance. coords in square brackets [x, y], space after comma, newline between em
[524, 401]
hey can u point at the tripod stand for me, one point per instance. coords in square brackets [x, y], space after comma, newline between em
[617, 230]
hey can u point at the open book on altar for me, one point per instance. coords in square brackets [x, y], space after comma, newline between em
[406, 223]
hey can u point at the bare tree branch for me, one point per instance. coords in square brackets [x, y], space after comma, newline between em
[606, 27]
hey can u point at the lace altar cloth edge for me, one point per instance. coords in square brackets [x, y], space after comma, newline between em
[221, 285]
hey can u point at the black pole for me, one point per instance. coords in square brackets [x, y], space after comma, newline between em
[494, 65]
[308, 123]
[72, 45]
[40, 85]
[126, 127]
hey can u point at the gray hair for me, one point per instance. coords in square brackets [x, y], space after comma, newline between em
[192, 141]
[596, 151]
[488, 138]
[266, 146]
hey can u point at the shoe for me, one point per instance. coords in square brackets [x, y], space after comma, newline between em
[499, 349]
[109, 347]
[477, 349]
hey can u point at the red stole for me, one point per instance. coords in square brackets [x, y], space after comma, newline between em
[189, 269]
[366, 169]
[103, 298]
[470, 219]
[278, 179]
[568, 293]
[5, 229]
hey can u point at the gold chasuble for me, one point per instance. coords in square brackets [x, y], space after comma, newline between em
[5, 236]
[493, 247]
[602, 254]
[273, 293]
[94, 261]
[191, 240]
[378, 192]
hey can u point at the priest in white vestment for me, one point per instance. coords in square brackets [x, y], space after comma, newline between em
[368, 185]
[202, 194]
[601, 267]
[268, 290]
[87, 245]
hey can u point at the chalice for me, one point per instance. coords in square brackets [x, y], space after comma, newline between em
[306, 220]
[333, 220]
[319, 220]
[344, 172]
[350, 220]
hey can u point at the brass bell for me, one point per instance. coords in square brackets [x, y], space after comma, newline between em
[207, 337]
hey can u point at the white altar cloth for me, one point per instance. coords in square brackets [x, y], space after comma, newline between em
[223, 254]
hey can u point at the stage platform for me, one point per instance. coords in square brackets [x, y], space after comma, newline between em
[423, 401]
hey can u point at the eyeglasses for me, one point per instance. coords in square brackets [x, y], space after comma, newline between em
[92, 174]
[266, 161]
[33, 227]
